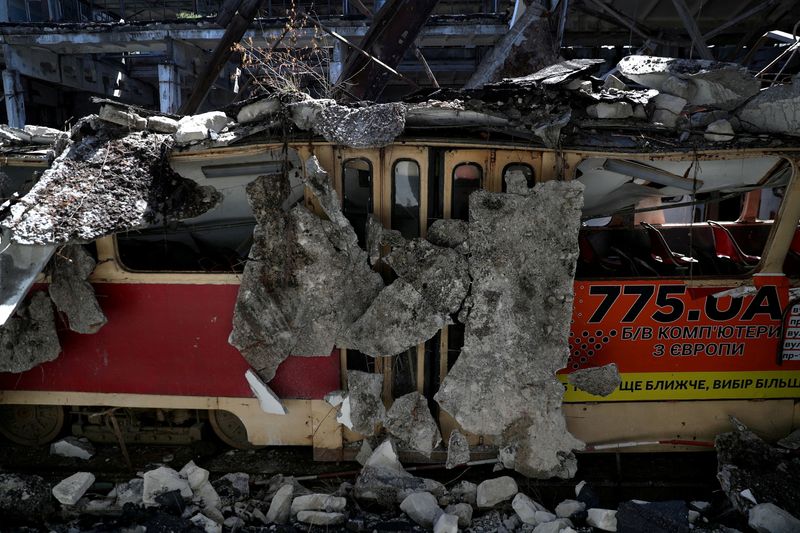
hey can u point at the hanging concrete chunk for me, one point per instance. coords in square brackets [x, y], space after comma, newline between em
[104, 183]
[72, 294]
[29, 338]
[722, 85]
[409, 419]
[306, 281]
[522, 262]
[600, 381]
[457, 449]
[364, 400]
[399, 318]
[776, 110]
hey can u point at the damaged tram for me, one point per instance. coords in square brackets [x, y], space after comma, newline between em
[685, 280]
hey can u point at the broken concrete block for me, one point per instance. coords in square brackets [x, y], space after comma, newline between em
[364, 453]
[723, 85]
[775, 110]
[128, 492]
[232, 488]
[494, 491]
[567, 508]
[613, 82]
[463, 511]
[450, 233]
[769, 518]
[72, 293]
[373, 126]
[719, 131]
[558, 73]
[466, 492]
[457, 450]
[655, 517]
[258, 110]
[610, 110]
[72, 447]
[385, 456]
[161, 480]
[162, 124]
[306, 281]
[318, 502]
[121, 117]
[666, 109]
[195, 475]
[676, 87]
[446, 523]
[440, 274]
[422, 508]
[561, 525]
[791, 441]
[364, 399]
[208, 525]
[410, 420]
[600, 381]
[320, 518]
[267, 400]
[335, 398]
[68, 491]
[522, 262]
[29, 337]
[190, 132]
[9, 135]
[399, 318]
[281, 505]
[526, 509]
[136, 188]
[42, 134]
[605, 519]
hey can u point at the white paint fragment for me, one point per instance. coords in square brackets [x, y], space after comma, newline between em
[343, 417]
[269, 402]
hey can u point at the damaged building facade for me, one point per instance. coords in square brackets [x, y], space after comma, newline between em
[547, 264]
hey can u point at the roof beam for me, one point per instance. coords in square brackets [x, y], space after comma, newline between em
[691, 28]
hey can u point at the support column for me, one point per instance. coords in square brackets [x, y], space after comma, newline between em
[337, 61]
[169, 88]
[15, 98]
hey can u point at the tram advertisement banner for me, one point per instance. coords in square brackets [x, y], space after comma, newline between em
[672, 341]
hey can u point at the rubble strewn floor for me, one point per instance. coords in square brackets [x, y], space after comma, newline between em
[503, 383]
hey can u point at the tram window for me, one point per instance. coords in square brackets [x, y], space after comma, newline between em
[357, 193]
[467, 178]
[526, 170]
[406, 198]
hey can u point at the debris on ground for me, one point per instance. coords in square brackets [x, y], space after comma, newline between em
[73, 447]
[71, 489]
[600, 381]
[24, 499]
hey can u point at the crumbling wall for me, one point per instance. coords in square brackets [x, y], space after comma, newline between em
[523, 250]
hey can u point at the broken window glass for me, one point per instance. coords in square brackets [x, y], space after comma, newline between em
[526, 170]
[467, 178]
[357, 194]
[406, 198]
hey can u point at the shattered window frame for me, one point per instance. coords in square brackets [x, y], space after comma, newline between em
[459, 207]
[358, 225]
[395, 209]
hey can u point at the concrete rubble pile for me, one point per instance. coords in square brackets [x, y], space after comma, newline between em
[384, 497]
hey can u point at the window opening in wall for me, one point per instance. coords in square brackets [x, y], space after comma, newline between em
[406, 198]
[525, 169]
[357, 194]
[467, 178]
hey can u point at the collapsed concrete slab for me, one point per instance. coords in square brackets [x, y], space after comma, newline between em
[29, 338]
[306, 280]
[522, 262]
[600, 381]
[105, 182]
[410, 420]
[370, 126]
[722, 85]
[72, 294]
[559, 73]
[776, 110]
